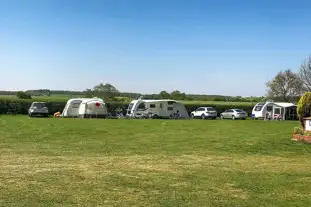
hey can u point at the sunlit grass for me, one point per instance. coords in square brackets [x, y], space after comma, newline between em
[90, 162]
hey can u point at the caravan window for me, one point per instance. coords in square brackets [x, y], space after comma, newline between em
[160, 106]
[152, 105]
[130, 107]
[141, 107]
[170, 108]
[170, 102]
[258, 108]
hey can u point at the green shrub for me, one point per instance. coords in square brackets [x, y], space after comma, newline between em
[298, 130]
[306, 133]
[21, 106]
[23, 95]
[304, 107]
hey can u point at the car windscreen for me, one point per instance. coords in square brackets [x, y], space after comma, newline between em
[210, 109]
[39, 105]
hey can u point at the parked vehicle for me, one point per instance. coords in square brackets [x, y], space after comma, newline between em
[38, 108]
[204, 113]
[164, 108]
[233, 114]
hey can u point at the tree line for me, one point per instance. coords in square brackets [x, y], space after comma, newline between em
[111, 93]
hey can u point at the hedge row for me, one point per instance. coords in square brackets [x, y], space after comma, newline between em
[21, 106]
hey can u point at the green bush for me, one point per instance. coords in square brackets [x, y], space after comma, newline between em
[304, 107]
[23, 95]
[21, 106]
[298, 130]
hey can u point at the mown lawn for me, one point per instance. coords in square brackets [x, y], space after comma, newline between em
[75, 162]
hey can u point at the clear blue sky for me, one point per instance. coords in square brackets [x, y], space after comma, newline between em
[212, 47]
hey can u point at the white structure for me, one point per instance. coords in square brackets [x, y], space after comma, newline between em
[164, 108]
[92, 108]
[281, 110]
[307, 124]
[85, 107]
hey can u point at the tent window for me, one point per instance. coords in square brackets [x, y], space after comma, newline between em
[152, 105]
[269, 108]
[170, 108]
[141, 107]
[75, 105]
[277, 111]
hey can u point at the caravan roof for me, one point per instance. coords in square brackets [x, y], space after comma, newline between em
[84, 99]
[157, 100]
[92, 99]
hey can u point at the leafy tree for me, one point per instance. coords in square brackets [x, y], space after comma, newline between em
[106, 90]
[304, 107]
[88, 93]
[23, 95]
[178, 95]
[164, 95]
[285, 85]
[305, 74]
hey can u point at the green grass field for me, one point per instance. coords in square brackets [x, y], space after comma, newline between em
[64, 98]
[94, 162]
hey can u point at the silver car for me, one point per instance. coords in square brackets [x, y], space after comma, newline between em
[233, 114]
[38, 108]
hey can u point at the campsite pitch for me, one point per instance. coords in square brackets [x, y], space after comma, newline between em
[95, 162]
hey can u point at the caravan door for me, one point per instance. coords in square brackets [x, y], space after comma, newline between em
[161, 109]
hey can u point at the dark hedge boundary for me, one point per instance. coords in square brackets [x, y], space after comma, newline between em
[21, 106]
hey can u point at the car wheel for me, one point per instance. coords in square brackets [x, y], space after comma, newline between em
[203, 116]
[30, 115]
[233, 117]
[221, 116]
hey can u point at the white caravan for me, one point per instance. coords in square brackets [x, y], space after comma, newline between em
[84, 107]
[281, 110]
[164, 108]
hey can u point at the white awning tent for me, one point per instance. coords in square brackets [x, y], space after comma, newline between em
[285, 105]
[286, 110]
